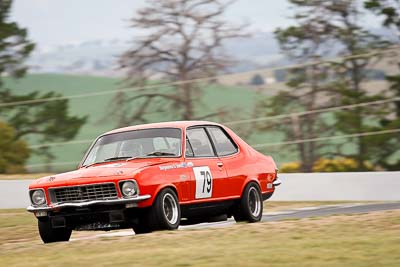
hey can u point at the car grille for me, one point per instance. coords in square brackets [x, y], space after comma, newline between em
[85, 193]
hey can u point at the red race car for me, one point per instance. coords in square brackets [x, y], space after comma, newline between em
[153, 177]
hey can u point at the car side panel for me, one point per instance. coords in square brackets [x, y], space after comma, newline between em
[238, 170]
[242, 169]
[219, 179]
[248, 165]
[154, 179]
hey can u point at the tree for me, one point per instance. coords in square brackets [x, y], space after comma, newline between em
[390, 11]
[329, 28]
[302, 42]
[183, 41]
[355, 40]
[49, 121]
[14, 45]
[14, 152]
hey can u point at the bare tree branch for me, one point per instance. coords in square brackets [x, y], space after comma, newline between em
[184, 40]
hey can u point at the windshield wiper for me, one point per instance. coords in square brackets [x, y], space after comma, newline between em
[106, 160]
[117, 158]
[94, 163]
[155, 153]
[160, 153]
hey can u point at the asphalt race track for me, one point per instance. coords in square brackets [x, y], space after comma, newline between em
[331, 210]
[299, 213]
[309, 212]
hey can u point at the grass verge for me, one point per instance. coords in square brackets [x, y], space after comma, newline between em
[358, 240]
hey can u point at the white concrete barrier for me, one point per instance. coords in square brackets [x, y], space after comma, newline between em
[14, 194]
[338, 186]
[354, 186]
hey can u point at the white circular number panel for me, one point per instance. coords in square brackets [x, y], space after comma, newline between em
[204, 182]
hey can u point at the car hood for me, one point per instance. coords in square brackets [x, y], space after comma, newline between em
[99, 172]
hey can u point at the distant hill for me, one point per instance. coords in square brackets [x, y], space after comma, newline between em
[98, 57]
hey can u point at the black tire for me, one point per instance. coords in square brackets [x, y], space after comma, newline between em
[165, 214]
[250, 207]
[50, 234]
[141, 228]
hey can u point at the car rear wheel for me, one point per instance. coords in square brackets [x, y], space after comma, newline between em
[50, 234]
[250, 208]
[165, 214]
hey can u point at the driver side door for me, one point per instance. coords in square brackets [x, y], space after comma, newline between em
[208, 174]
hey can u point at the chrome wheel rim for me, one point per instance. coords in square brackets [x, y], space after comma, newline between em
[254, 202]
[170, 208]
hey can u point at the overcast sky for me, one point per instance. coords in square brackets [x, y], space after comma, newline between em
[58, 22]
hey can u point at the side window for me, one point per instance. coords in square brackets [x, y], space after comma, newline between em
[201, 145]
[223, 144]
[189, 151]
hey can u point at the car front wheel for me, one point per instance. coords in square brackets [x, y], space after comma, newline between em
[165, 214]
[250, 207]
[50, 234]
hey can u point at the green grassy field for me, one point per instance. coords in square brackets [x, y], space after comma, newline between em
[353, 240]
[240, 101]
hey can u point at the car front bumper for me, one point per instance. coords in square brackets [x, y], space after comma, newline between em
[87, 204]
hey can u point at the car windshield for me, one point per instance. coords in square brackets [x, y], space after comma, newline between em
[165, 142]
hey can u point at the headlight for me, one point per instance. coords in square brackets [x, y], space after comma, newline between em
[38, 197]
[129, 188]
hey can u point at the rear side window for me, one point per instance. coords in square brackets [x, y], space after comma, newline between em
[200, 143]
[223, 144]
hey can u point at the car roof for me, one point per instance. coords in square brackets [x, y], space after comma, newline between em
[168, 124]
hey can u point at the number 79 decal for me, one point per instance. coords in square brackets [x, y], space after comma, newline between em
[204, 182]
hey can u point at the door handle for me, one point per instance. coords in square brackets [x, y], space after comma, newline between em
[220, 164]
